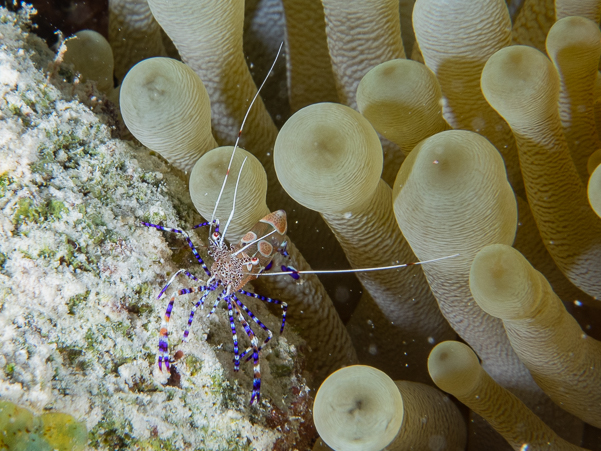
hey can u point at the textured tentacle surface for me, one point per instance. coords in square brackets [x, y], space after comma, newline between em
[522, 84]
[454, 367]
[456, 39]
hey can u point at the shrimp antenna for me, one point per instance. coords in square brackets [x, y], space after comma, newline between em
[338, 271]
[234, 202]
[238, 138]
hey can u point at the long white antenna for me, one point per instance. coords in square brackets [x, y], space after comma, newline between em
[240, 134]
[234, 202]
[338, 271]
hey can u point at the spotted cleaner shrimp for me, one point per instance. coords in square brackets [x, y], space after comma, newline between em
[233, 267]
[236, 265]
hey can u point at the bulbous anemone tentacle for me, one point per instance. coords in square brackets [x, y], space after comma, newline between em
[452, 196]
[209, 38]
[591, 9]
[361, 408]
[309, 68]
[529, 242]
[522, 85]
[456, 39]
[353, 54]
[574, 46]
[594, 190]
[206, 180]
[91, 56]
[454, 367]
[403, 101]
[166, 107]
[329, 159]
[563, 360]
[362, 34]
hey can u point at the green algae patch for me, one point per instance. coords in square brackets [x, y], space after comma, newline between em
[29, 211]
[21, 430]
[5, 181]
[16, 425]
[194, 365]
[63, 432]
[156, 444]
[9, 369]
[75, 301]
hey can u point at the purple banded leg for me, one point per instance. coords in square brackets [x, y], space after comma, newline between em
[164, 331]
[188, 240]
[249, 332]
[216, 303]
[200, 302]
[230, 312]
[164, 337]
[256, 394]
[186, 273]
[256, 320]
[163, 348]
[202, 224]
[273, 301]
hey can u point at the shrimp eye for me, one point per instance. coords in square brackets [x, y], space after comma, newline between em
[254, 261]
[215, 236]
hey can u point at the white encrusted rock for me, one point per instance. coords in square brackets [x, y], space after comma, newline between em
[79, 319]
